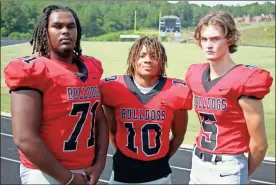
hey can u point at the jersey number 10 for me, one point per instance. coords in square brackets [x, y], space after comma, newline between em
[145, 138]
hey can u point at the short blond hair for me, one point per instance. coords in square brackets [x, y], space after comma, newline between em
[225, 22]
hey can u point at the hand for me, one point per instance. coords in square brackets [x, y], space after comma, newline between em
[248, 180]
[94, 172]
[79, 179]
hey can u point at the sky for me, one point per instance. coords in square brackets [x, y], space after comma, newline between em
[227, 3]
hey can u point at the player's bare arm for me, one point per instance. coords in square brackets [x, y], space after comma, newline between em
[26, 109]
[52, 138]
[179, 127]
[101, 147]
[101, 137]
[111, 120]
[254, 116]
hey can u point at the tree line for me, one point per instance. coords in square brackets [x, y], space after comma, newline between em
[101, 17]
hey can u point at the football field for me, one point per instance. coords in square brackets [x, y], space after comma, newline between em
[114, 54]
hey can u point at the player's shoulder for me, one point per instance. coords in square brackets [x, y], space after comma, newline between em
[87, 58]
[27, 64]
[28, 60]
[177, 82]
[92, 63]
[196, 68]
[90, 60]
[251, 71]
[176, 85]
[111, 84]
[28, 71]
[111, 80]
[251, 68]
[178, 88]
[257, 81]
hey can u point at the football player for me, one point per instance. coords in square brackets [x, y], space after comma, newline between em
[57, 119]
[142, 108]
[228, 101]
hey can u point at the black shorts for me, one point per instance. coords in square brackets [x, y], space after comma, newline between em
[129, 170]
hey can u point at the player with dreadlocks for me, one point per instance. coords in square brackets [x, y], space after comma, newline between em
[39, 37]
[56, 105]
[141, 108]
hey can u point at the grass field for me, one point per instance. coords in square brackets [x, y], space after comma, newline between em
[258, 34]
[263, 34]
[114, 54]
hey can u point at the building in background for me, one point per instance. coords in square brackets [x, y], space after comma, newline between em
[255, 19]
[170, 27]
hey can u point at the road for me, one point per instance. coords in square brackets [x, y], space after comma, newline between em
[180, 162]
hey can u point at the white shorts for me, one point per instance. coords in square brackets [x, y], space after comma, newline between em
[35, 176]
[164, 180]
[233, 169]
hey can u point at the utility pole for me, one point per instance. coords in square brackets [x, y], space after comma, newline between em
[159, 21]
[135, 21]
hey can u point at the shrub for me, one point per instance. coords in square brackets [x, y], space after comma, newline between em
[18, 36]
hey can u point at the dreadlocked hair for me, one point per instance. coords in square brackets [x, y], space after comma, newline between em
[39, 37]
[155, 50]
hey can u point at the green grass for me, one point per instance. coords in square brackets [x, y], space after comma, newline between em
[263, 35]
[114, 54]
[258, 34]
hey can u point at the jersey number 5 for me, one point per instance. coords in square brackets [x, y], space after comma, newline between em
[83, 108]
[209, 126]
[145, 138]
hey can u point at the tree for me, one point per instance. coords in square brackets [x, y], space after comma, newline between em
[99, 17]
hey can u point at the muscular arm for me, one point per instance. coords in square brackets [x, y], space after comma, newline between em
[26, 110]
[101, 137]
[179, 127]
[254, 116]
[111, 120]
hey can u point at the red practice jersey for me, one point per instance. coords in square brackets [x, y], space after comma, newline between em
[70, 95]
[223, 128]
[144, 120]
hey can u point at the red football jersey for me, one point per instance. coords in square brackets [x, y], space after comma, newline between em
[223, 128]
[71, 96]
[144, 120]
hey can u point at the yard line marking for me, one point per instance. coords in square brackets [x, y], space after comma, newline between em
[262, 182]
[180, 168]
[110, 155]
[6, 114]
[4, 117]
[8, 159]
[16, 161]
[184, 147]
[105, 181]
[6, 134]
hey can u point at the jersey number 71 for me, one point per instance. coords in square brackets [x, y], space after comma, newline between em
[83, 108]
